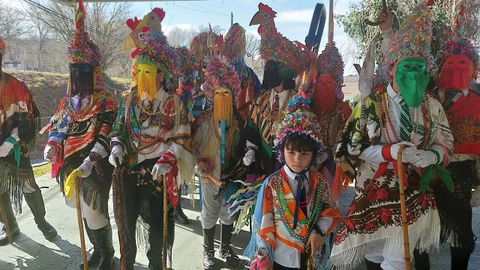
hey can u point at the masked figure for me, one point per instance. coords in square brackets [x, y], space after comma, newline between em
[394, 115]
[19, 118]
[218, 148]
[151, 141]
[78, 143]
[457, 61]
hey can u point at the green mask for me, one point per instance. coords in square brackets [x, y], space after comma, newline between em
[412, 80]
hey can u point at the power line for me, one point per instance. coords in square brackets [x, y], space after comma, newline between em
[63, 17]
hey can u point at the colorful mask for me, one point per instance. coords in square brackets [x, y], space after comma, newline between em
[82, 79]
[457, 70]
[325, 96]
[147, 81]
[412, 79]
[222, 104]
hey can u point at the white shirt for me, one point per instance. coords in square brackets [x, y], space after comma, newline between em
[281, 98]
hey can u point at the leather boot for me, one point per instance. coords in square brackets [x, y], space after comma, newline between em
[95, 256]
[209, 248]
[103, 240]
[37, 206]
[226, 251]
[11, 221]
[180, 217]
[372, 266]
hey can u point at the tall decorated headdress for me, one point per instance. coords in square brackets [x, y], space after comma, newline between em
[3, 46]
[234, 49]
[457, 58]
[220, 74]
[151, 49]
[330, 61]
[274, 46]
[413, 38]
[299, 121]
[81, 51]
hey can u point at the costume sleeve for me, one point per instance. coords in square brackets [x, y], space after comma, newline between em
[58, 125]
[329, 215]
[443, 137]
[361, 131]
[119, 133]
[267, 227]
[107, 119]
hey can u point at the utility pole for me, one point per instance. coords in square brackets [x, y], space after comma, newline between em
[231, 18]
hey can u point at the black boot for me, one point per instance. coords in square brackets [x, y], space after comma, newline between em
[180, 217]
[37, 206]
[103, 240]
[209, 248]
[95, 257]
[226, 251]
[372, 266]
[11, 221]
[460, 257]
[422, 260]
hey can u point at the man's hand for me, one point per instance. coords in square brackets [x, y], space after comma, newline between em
[87, 167]
[160, 169]
[315, 242]
[117, 153]
[49, 152]
[249, 157]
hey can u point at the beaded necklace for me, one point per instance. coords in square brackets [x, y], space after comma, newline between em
[139, 136]
[387, 124]
[284, 211]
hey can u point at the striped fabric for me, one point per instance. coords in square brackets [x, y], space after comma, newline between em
[405, 122]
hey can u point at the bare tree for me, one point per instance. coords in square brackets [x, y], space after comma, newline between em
[105, 24]
[253, 58]
[12, 27]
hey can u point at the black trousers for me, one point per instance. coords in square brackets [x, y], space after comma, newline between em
[143, 201]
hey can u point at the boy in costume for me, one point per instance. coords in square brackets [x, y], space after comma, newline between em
[393, 115]
[19, 119]
[151, 137]
[294, 210]
[78, 141]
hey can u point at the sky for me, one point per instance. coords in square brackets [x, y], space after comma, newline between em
[293, 18]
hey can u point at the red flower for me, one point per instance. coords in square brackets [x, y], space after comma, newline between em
[372, 195]
[349, 223]
[370, 225]
[382, 194]
[385, 215]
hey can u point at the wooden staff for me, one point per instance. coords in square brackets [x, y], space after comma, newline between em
[165, 223]
[5, 221]
[80, 225]
[403, 208]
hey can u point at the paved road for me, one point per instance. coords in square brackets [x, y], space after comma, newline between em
[32, 251]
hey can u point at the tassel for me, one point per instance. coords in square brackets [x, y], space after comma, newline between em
[222, 104]
[147, 82]
[222, 141]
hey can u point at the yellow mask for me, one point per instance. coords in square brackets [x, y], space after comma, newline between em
[222, 104]
[147, 81]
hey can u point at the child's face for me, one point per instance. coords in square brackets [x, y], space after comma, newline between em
[298, 161]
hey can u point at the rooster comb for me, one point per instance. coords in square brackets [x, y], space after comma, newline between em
[266, 9]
